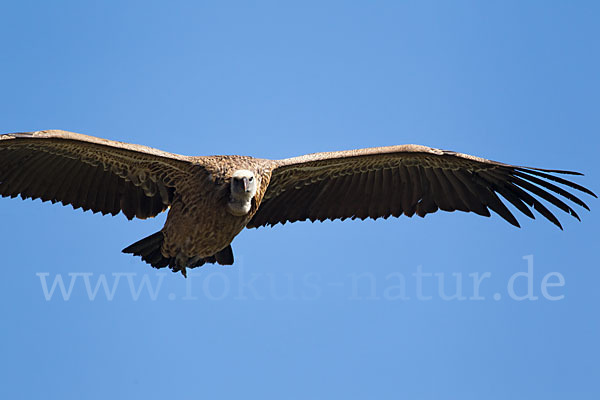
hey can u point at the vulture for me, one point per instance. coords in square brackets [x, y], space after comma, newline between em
[212, 198]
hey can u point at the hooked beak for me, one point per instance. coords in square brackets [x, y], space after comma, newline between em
[246, 183]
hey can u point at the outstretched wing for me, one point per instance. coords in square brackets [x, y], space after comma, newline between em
[88, 172]
[408, 179]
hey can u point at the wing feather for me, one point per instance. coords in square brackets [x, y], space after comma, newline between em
[395, 191]
[91, 173]
[406, 191]
[553, 188]
[508, 193]
[426, 204]
[409, 179]
[479, 205]
[465, 200]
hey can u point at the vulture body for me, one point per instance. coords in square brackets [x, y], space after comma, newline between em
[211, 199]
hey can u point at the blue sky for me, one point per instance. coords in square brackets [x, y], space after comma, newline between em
[309, 311]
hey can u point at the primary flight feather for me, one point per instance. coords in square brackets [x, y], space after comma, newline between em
[211, 199]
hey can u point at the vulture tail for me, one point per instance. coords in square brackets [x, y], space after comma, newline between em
[149, 248]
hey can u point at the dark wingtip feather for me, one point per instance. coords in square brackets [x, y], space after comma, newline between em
[557, 171]
[515, 223]
[557, 223]
[575, 215]
[543, 173]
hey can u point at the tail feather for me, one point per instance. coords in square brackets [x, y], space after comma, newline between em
[149, 249]
[225, 256]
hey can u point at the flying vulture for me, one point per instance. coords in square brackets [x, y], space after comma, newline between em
[211, 199]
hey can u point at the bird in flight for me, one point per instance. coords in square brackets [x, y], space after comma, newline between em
[211, 199]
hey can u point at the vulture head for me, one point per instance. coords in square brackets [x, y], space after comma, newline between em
[242, 190]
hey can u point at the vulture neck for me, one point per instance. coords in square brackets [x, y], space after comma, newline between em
[240, 205]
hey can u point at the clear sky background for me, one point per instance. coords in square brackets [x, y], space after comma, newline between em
[308, 311]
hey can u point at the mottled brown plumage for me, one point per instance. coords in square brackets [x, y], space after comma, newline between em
[212, 199]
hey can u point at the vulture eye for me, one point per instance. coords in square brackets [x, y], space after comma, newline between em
[251, 179]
